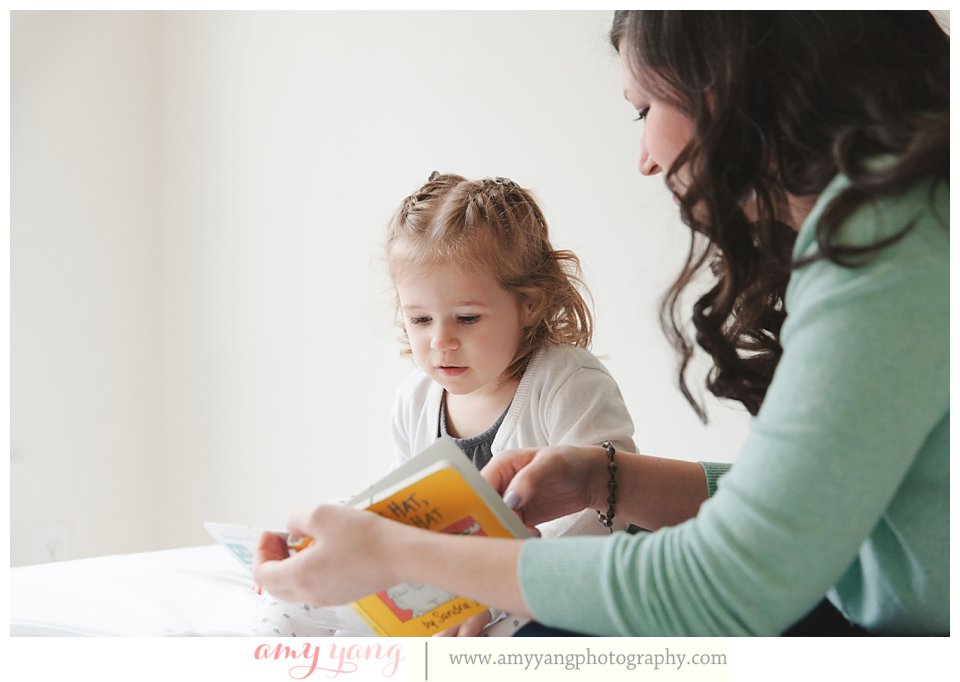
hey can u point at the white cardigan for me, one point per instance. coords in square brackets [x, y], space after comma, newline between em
[565, 397]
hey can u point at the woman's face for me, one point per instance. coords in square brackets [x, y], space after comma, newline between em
[666, 129]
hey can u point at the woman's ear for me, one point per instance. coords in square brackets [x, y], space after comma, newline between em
[711, 97]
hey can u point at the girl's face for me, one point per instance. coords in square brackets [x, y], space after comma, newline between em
[464, 328]
[666, 129]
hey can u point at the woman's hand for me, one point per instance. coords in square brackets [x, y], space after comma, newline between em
[356, 553]
[349, 557]
[542, 484]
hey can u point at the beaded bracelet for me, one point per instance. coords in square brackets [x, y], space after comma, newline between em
[607, 519]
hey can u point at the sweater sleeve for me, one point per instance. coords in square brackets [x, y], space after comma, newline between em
[401, 441]
[403, 418]
[859, 389]
[713, 472]
[586, 408]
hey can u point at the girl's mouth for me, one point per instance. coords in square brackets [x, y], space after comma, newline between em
[451, 371]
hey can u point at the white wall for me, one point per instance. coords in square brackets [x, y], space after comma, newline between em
[84, 284]
[201, 329]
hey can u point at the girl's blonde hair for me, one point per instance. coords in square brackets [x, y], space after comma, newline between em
[494, 225]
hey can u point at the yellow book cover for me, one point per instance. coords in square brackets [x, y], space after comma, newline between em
[439, 490]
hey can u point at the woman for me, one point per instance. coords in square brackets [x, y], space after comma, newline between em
[809, 154]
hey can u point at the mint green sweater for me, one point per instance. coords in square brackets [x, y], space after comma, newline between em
[842, 487]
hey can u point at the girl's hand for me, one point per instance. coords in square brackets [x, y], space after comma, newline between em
[542, 484]
[349, 558]
[471, 627]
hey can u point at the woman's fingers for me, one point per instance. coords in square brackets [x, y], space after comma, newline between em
[500, 470]
[271, 547]
[546, 483]
[274, 568]
[271, 570]
[316, 574]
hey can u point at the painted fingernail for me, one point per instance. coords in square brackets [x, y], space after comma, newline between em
[512, 499]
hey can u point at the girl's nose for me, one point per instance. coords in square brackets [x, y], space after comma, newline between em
[444, 339]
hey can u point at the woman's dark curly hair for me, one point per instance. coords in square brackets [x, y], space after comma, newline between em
[782, 102]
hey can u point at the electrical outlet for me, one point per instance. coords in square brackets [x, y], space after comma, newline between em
[50, 543]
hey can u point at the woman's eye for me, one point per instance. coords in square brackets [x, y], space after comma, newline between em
[419, 320]
[642, 114]
[468, 319]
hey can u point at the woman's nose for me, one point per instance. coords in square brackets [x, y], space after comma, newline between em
[647, 165]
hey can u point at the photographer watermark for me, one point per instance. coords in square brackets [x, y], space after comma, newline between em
[336, 658]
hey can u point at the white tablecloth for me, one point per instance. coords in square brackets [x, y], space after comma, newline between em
[192, 591]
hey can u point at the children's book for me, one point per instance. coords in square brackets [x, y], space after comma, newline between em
[439, 490]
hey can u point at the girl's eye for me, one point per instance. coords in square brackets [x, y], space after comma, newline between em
[468, 319]
[419, 320]
[642, 114]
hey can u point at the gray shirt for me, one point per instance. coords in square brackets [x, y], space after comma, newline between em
[477, 449]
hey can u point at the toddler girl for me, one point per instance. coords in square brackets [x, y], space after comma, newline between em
[498, 330]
